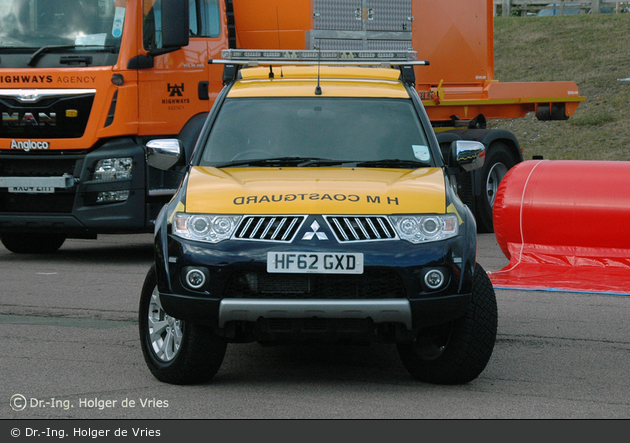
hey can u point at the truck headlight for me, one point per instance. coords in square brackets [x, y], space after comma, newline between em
[112, 169]
[204, 227]
[425, 228]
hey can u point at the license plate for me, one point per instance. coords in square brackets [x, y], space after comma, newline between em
[32, 189]
[315, 262]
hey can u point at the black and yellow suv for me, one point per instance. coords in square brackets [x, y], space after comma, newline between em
[315, 207]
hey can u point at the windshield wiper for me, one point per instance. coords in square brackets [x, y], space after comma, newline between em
[281, 161]
[322, 162]
[316, 161]
[393, 163]
[40, 51]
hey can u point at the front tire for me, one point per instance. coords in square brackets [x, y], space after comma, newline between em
[456, 352]
[175, 351]
[32, 242]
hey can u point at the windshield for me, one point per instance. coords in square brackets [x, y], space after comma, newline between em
[320, 131]
[35, 23]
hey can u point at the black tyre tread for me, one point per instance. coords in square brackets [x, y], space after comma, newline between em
[471, 344]
[201, 353]
[479, 332]
[32, 243]
[498, 152]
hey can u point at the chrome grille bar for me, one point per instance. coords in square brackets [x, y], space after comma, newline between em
[269, 228]
[361, 228]
[290, 229]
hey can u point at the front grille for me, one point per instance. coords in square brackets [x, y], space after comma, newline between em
[278, 228]
[361, 228]
[376, 284]
[61, 116]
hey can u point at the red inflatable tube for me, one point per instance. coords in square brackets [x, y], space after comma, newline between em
[565, 225]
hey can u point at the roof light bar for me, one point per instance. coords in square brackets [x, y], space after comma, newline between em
[268, 57]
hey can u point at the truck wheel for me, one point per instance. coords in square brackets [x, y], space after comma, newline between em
[498, 162]
[32, 242]
[175, 351]
[459, 351]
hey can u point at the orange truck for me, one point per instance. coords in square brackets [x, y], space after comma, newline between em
[85, 84]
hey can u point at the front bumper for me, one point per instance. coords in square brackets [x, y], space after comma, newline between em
[72, 208]
[389, 292]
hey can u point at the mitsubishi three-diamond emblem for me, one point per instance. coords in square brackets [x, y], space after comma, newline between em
[320, 235]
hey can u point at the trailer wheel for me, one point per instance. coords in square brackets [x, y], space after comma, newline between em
[459, 351]
[498, 161]
[175, 351]
[32, 242]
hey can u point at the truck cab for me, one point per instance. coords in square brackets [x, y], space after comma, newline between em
[83, 86]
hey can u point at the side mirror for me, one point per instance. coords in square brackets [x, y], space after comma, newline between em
[175, 23]
[165, 28]
[467, 154]
[164, 153]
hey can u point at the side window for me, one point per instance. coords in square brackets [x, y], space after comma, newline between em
[151, 22]
[205, 21]
[211, 18]
[194, 8]
[205, 18]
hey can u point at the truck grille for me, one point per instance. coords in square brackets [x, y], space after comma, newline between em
[361, 228]
[57, 114]
[278, 228]
[377, 284]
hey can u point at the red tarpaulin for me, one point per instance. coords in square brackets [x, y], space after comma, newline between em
[565, 226]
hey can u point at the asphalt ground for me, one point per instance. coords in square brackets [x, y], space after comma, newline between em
[71, 351]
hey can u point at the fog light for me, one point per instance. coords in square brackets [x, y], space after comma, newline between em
[112, 196]
[434, 279]
[195, 278]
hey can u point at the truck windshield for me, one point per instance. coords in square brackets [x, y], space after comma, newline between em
[32, 24]
[321, 131]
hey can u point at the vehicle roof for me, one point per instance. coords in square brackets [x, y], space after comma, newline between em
[335, 81]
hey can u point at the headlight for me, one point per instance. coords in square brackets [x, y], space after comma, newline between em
[204, 227]
[112, 169]
[425, 228]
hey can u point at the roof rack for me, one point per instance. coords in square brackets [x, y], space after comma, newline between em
[253, 57]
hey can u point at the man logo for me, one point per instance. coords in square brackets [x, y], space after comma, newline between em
[320, 235]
